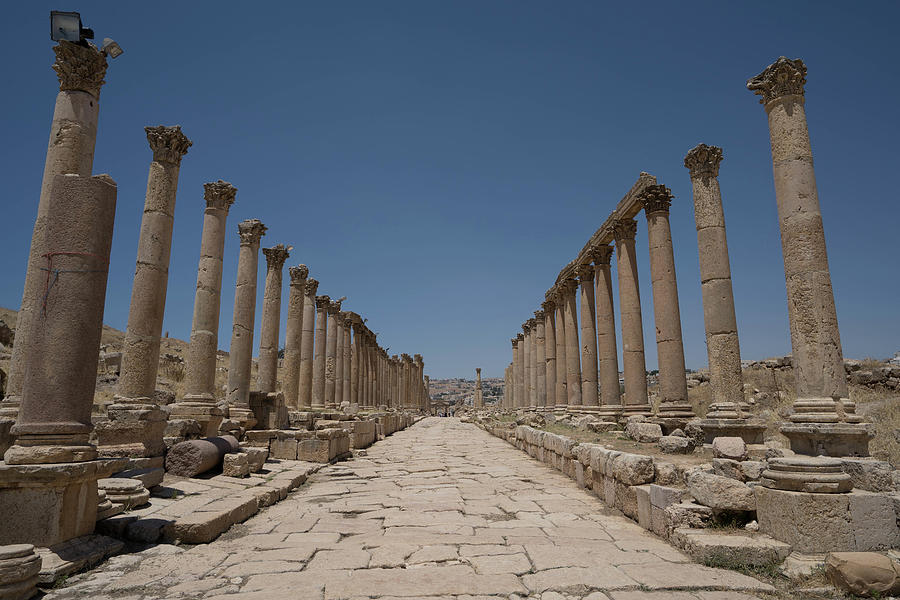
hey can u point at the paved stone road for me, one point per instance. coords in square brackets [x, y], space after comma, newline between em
[441, 510]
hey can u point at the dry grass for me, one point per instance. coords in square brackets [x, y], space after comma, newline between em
[881, 407]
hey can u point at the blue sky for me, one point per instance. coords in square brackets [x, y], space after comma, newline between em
[438, 162]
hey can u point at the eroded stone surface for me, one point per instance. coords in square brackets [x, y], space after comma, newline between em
[440, 510]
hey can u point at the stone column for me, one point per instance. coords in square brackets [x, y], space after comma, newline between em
[573, 350]
[293, 337]
[507, 389]
[347, 359]
[419, 382]
[562, 395]
[549, 353]
[428, 395]
[636, 402]
[511, 390]
[404, 380]
[199, 402]
[354, 360]
[607, 353]
[54, 421]
[521, 399]
[589, 393]
[271, 318]
[339, 359]
[540, 359]
[823, 421]
[722, 345]
[307, 344]
[318, 384]
[477, 401]
[73, 133]
[136, 424]
[674, 407]
[401, 382]
[240, 354]
[530, 398]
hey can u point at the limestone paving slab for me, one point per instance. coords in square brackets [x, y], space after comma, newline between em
[373, 528]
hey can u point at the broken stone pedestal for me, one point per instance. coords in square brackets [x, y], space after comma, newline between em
[829, 439]
[19, 568]
[130, 493]
[750, 430]
[269, 410]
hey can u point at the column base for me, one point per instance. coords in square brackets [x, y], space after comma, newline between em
[134, 430]
[61, 499]
[829, 439]
[269, 411]
[817, 475]
[630, 410]
[209, 416]
[749, 430]
[610, 411]
[243, 417]
[50, 449]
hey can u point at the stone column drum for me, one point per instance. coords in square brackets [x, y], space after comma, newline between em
[674, 407]
[540, 358]
[823, 421]
[562, 395]
[632, 326]
[293, 336]
[549, 353]
[573, 350]
[269, 332]
[607, 352]
[199, 402]
[318, 382]
[136, 424]
[419, 381]
[73, 133]
[589, 392]
[51, 502]
[240, 353]
[307, 344]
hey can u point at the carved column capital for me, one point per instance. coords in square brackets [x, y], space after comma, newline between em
[514, 342]
[624, 229]
[601, 255]
[79, 68]
[251, 230]
[276, 255]
[520, 337]
[568, 286]
[703, 161]
[539, 316]
[169, 144]
[323, 302]
[526, 326]
[298, 275]
[312, 286]
[782, 78]
[548, 306]
[585, 273]
[656, 199]
[219, 194]
[334, 307]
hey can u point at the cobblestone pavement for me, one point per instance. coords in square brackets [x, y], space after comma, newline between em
[440, 510]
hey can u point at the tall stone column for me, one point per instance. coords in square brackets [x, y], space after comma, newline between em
[674, 407]
[540, 358]
[428, 395]
[530, 391]
[562, 394]
[521, 398]
[420, 382]
[307, 342]
[511, 390]
[477, 400]
[54, 421]
[589, 393]
[347, 359]
[339, 359]
[573, 349]
[199, 402]
[136, 424]
[823, 421]
[507, 389]
[73, 133]
[240, 354]
[636, 402]
[401, 383]
[549, 353]
[607, 352]
[356, 324]
[722, 345]
[293, 337]
[271, 318]
[318, 384]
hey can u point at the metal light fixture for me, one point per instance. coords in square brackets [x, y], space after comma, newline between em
[67, 26]
[111, 48]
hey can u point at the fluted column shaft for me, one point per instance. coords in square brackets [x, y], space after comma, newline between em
[562, 394]
[267, 377]
[549, 353]
[511, 388]
[339, 360]
[607, 352]
[573, 349]
[589, 392]
[293, 337]
[307, 344]
[348, 363]
[529, 366]
[540, 359]
[330, 354]
[318, 383]
[632, 325]
[521, 399]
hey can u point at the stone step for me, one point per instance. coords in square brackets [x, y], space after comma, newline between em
[719, 547]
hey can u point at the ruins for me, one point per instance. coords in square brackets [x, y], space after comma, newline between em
[454, 499]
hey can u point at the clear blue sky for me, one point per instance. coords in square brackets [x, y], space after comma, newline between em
[438, 162]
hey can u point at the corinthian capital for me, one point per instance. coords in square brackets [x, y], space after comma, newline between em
[624, 229]
[585, 273]
[520, 337]
[539, 316]
[703, 161]
[656, 199]
[219, 194]
[548, 306]
[250, 231]
[298, 274]
[311, 286]
[601, 255]
[782, 78]
[323, 302]
[276, 255]
[79, 68]
[169, 144]
[514, 342]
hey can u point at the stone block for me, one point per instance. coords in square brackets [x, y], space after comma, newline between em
[235, 465]
[747, 549]
[260, 438]
[730, 447]
[643, 432]
[863, 573]
[720, 493]
[256, 457]
[687, 515]
[609, 491]
[809, 522]
[869, 474]
[873, 521]
[19, 568]
[631, 469]
[671, 444]
[727, 467]
[662, 496]
[642, 493]
[658, 521]
[626, 499]
[269, 410]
